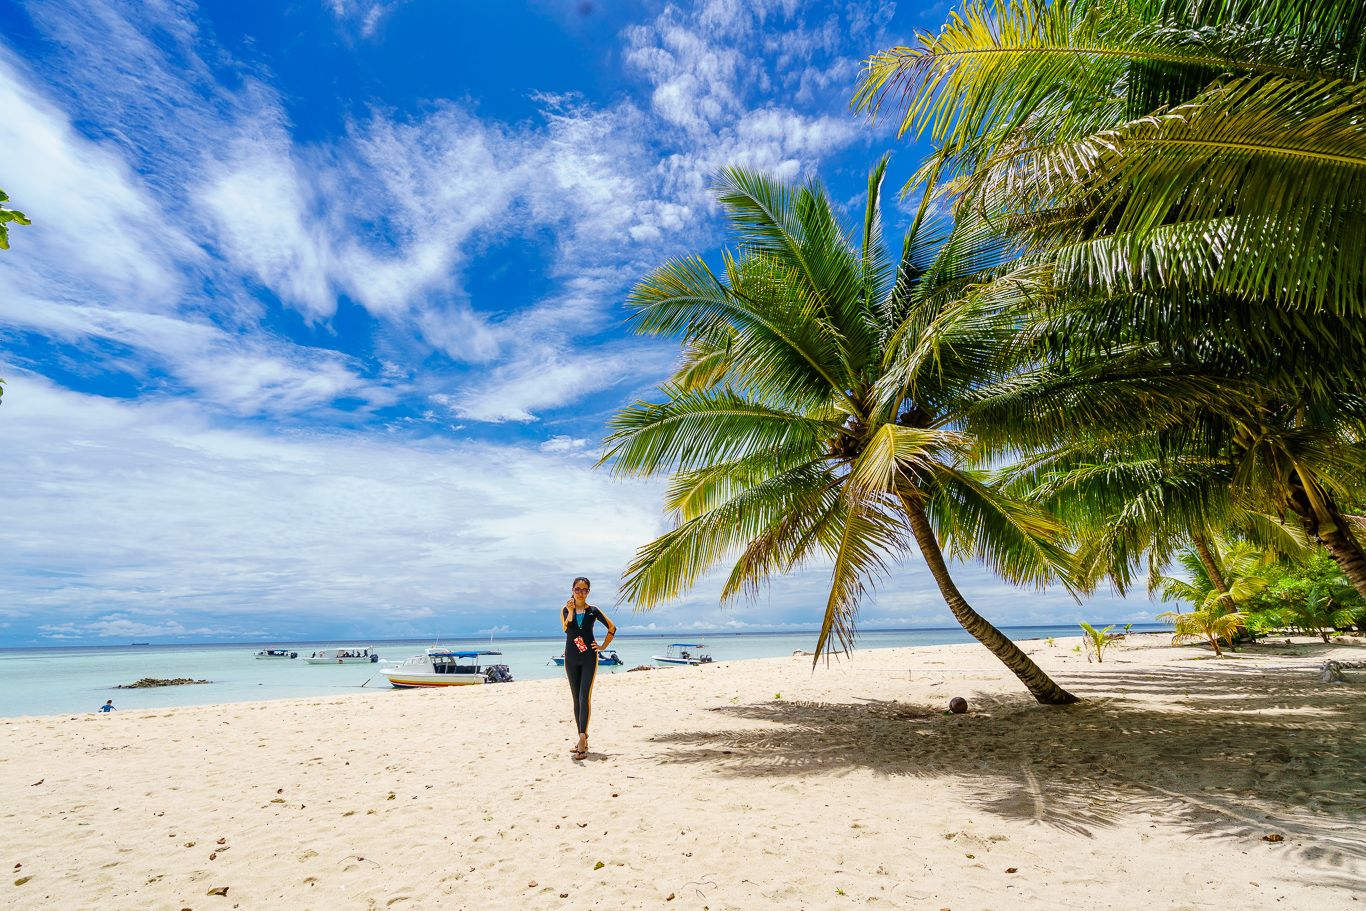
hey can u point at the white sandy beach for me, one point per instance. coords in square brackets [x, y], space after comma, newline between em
[743, 785]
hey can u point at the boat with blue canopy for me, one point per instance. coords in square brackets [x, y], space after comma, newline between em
[441, 666]
[683, 653]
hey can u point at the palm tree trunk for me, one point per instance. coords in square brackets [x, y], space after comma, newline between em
[1333, 530]
[1039, 684]
[1216, 575]
[1346, 551]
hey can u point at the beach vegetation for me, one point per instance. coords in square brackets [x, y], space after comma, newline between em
[1210, 622]
[9, 217]
[1097, 641]
[1312, 596]
[1215, 610]
[822, 406]
[1187, 183]
[1244, 567]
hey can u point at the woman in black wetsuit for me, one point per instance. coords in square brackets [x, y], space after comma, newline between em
[581, 655]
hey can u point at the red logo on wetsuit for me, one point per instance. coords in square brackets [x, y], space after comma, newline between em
[578, 640]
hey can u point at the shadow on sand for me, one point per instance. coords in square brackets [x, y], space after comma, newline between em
[1230, 752]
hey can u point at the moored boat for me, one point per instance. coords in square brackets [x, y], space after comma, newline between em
[350, 655]
[270, 653]
[608, 657]
[438, 666]
[678, 653]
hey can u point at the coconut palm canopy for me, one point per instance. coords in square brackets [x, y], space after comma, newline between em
[1190, 182]
[821, 410]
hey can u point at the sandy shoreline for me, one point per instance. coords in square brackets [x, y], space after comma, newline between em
[744, 785]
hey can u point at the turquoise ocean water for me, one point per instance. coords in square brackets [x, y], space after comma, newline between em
[55, 681]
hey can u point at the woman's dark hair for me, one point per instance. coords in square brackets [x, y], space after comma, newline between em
[578, 579]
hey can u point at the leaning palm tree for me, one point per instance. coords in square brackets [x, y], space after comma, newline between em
[818, 412]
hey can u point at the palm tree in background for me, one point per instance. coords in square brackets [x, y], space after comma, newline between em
[1192, 177]
[1131, 510]
[819, 411]
[1215, 612]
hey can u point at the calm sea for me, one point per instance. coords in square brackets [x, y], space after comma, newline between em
[58, 681]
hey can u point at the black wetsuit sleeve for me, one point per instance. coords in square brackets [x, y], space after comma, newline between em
[607, 622]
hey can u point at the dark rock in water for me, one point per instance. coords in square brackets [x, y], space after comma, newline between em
[146, 682]
[958, 705]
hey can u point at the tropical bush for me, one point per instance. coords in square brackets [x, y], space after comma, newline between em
[1312, 596]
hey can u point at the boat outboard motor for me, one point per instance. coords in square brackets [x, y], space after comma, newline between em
[497, 673]
[374, 657]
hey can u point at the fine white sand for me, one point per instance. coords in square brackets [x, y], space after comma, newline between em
[1181, 782]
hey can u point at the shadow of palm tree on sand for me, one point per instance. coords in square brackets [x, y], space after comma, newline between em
[1242, 754]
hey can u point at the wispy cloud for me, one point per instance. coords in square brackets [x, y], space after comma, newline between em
[364, 16]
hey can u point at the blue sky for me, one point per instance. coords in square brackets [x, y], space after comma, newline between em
[320, 317]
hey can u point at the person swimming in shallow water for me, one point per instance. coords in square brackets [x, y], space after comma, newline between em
[581, 655]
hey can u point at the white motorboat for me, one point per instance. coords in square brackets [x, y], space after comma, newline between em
[351, 655]
[683, 653]
[440, 666]
[272, 653]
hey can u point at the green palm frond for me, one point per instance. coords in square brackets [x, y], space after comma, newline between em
[810, 259]
[871, 534]
[1300, 241]
[671, 564]
[695, 428]
[996, 66]
[897, 454]
[693, 493]
[684, 298]
[1019, 541]
[811, 528]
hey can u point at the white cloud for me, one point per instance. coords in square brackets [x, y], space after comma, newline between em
[565, 444]
[254, 196]
[132, 511]
[243, 375]
[95, 228]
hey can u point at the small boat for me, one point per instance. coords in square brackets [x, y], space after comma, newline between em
[275, 653]
[608, 657]
[353, 655]
[677, 653]
[139, 643]
[440, 666]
